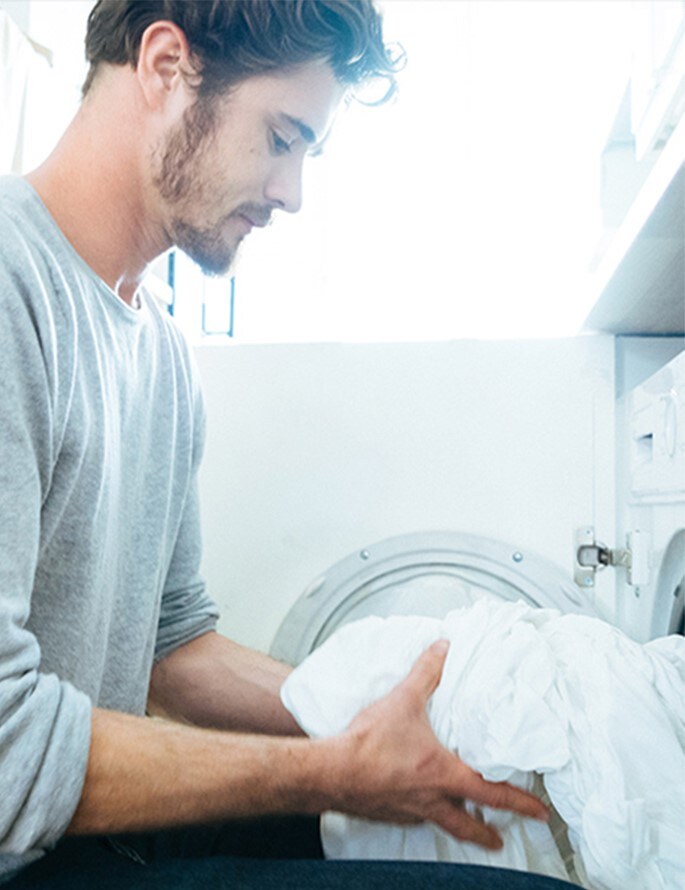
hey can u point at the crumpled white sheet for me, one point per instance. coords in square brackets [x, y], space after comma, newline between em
[526, 691]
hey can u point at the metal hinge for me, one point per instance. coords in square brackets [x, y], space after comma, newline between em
[591, 556]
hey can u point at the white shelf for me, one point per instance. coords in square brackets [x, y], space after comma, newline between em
[640, 282]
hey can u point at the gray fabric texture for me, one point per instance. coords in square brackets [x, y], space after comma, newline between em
[101, 429]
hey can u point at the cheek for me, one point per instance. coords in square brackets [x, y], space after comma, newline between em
[230, 173]
[246, 176]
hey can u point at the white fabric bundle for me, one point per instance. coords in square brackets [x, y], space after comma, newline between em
[526, 691]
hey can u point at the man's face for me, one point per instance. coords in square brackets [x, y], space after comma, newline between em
[228, 163]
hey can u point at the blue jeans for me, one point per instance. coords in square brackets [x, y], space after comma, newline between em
[268, 854]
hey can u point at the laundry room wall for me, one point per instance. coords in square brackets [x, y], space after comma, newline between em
[42, 66]
[317, 450]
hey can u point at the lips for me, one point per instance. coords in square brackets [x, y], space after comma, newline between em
[256, 220]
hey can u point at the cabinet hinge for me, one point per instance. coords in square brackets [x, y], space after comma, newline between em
[590, 556]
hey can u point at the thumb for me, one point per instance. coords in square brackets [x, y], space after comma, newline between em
[426, 673]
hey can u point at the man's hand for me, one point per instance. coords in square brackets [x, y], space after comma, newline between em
[399, 772]
[147, 774]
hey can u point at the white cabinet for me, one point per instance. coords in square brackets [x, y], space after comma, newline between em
[658, 77]
[639, 281]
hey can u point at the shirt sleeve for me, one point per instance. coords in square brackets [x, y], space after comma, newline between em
[187, 611]
[44, 722]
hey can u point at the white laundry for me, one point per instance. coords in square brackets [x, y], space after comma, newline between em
[526, 692]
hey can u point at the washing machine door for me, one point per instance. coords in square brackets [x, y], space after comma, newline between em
[669, 594]
[428, 573]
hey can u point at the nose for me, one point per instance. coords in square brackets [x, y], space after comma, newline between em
[283, 188]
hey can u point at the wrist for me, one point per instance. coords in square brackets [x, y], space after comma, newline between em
[323, 775]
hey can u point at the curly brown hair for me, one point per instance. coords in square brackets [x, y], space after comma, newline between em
[231, 40]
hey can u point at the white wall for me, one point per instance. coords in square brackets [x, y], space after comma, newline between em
[59, 26]
[315, 451]
[41, 76]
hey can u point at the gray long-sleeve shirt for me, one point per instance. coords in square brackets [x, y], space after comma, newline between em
[101, 427]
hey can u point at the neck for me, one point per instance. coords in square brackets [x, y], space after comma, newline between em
[93, 186]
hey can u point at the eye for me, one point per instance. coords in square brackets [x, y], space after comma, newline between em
[281, 146]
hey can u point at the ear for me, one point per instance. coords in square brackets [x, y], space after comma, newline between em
[164, 54]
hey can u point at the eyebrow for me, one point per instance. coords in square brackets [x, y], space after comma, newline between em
[305, 132]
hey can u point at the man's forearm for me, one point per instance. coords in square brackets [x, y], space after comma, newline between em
[214, 682]
[146, 774]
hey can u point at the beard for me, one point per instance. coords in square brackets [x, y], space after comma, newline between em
[209, 248]
[181, 183]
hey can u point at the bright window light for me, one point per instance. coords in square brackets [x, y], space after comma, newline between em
[469, 207]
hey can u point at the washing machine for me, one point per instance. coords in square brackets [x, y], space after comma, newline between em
[651, 597]
[427, 573]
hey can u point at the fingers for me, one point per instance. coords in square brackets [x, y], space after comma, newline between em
[499, 795]
[453, 818]
[425, 675]
[458, 823]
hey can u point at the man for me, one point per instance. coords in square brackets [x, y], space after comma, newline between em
[194, 126]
